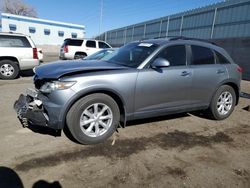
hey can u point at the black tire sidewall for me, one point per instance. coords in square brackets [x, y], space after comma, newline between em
[74, 114]
[14, 65]
[79, 56]
[213, 106]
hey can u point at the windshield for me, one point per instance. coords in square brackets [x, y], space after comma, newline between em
[131, 55]
[99, 55]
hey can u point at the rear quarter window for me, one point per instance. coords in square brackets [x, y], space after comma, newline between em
[14, 41]
[91, 44]
[221, 59]
[202, 55]
[73, 42]
[103, 45]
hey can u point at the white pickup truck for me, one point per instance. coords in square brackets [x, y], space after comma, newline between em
[80, 48]
[17, 52]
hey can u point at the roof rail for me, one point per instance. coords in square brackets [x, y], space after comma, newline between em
[190, 38]
[172, 38]
[161, 37]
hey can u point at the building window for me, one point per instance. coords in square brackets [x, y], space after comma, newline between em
[60, 33]
[12, 27]
[47, 31]
[32, 29]
[74, 35]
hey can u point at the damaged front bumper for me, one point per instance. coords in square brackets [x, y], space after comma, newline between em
[30, 109]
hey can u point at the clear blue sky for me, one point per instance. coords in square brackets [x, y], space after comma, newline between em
[116, 13]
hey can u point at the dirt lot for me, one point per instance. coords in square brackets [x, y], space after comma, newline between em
[175, 151]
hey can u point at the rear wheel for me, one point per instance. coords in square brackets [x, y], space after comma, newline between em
[93, 119]
[8, 69]
[223, 103]
[80, 55]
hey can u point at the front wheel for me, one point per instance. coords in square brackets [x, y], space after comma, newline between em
[93, 119]
[223, 103]
[8, 69]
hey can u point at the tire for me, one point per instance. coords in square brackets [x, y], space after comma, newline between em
[83, 112]
[223, 103]
[8, 69]
[79, 56]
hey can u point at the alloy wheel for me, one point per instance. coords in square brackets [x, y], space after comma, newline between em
[96, 119]
[224, 103]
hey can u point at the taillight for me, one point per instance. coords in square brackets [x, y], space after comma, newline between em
[65, 49]
[35, 55]
[240, 69]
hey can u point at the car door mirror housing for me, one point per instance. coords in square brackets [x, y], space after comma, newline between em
[160, 62]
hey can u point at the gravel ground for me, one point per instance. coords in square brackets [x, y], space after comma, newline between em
[184, 150]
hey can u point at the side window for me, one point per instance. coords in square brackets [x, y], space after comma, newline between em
[103, 45]
[14, 41]
[202, 55]
[176, 55]
[74, 35]
[12, 27]
[46, 31]
[60, 33]
[32, 29]
[221, 59]
[91, 44]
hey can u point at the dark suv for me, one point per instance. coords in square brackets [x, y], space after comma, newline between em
[140, 80]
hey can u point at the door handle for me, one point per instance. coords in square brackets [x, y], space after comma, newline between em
[220, 71]
[185, 73]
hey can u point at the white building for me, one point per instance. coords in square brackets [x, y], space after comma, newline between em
[42, 32]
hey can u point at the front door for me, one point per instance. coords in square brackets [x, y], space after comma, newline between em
[162, 89]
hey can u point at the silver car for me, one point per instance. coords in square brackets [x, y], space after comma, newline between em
[140, 80]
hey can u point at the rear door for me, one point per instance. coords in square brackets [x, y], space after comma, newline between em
[91, 47]
[162, 89]
[207, 74]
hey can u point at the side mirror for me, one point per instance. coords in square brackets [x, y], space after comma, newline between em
[160, 62]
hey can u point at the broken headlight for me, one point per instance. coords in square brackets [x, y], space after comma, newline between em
[56, 85]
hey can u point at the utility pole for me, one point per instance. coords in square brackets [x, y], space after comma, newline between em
[101, 12]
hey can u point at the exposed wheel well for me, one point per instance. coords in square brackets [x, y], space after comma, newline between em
[82, 53]
[117, 99]
[14, 59]
[236, 89]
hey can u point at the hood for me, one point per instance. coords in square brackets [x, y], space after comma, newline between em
[55, 70]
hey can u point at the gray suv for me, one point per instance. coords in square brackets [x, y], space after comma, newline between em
[141, 79]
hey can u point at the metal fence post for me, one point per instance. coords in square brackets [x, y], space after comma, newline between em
[144, 32]
[116, 37]
[105, 36]
[181, 24]
[125, 36]
[160, 28]
[133, 30]
[167, 26]
[212, 29]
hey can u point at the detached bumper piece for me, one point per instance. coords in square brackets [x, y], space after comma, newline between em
[30, 110]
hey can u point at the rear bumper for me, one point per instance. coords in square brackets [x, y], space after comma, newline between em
[65, 56]
[27, 64]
